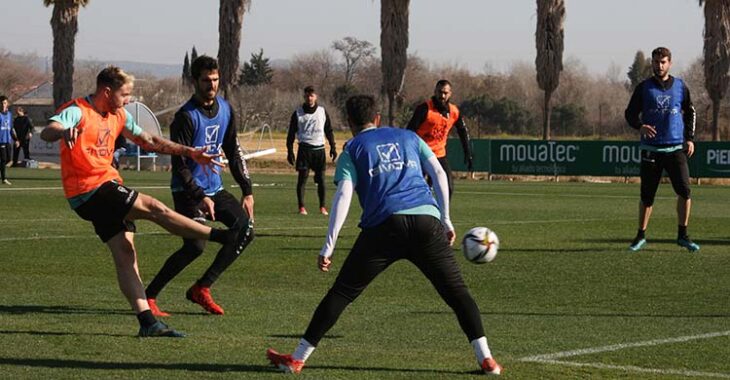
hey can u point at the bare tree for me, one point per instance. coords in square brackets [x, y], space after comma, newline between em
[354, 51]
[393, 47]
[64, 23]
[230, 23]
[717, 55]
[549, 61]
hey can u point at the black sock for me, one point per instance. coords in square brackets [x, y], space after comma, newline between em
[681, 231]
[146, 319]
[641, 234]
[221, 236]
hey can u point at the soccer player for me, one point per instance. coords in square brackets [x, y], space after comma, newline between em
[6, 136]
[400, 220]
[205, 122]
[310, 124]
[88, 127]
[433, 119]
[661, 110]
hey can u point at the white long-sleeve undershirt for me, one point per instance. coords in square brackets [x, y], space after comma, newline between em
[338, 214]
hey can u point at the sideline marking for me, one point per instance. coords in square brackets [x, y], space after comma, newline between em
[552, 358]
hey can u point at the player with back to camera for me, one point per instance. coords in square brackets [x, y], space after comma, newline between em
[661, 110]
[205, 121]
[89, 126]
[400, 220]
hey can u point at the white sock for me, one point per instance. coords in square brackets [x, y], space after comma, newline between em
[481, 349]
[304, 349]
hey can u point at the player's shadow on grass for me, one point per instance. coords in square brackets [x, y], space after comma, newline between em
[544, 250]
[198, 367]
[288, 235]
[591, 315]
[625, 241]
[294, 336]
[56, 309]
[59, 333]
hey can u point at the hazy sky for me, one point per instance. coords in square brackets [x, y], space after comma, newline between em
[470, 33]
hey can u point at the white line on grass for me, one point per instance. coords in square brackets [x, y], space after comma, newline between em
[631, 368]
[553, 195]
[552, 358]
[621, 346]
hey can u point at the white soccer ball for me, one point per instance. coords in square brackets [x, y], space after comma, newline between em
[480, 245]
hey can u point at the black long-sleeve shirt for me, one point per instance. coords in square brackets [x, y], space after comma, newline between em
[636, 105]
[294, 127]
[421, 112]
[22, 126]
[181, 132]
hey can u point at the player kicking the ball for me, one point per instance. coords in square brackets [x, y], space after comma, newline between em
[89, 127]
[400, 220]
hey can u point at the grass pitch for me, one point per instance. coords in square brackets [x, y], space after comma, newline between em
[563, 299]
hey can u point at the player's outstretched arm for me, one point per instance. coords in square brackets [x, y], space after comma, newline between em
[162, 145]
[338, 214]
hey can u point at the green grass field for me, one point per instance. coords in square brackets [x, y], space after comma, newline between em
[563, 299]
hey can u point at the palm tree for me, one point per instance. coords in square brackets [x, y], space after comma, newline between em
[549, 61]
[230, 23]
[64, 24]
[393, 47]
[717, 55]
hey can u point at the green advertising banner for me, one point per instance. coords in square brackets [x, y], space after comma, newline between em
[571, 157]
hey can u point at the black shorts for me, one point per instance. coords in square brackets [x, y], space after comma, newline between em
[313, 159]
[107, 209]
[5, 152]
[420, 239]
[227, 208]
[653, 164]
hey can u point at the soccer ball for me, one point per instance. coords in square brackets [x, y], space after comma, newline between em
[480, 245]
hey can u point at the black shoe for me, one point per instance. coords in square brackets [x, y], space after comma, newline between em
[159, 329]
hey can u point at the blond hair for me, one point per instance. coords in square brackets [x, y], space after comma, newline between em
[113, 77]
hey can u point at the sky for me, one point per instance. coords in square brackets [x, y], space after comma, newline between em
[474, 34]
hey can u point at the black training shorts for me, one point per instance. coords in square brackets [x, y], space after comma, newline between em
[653, 164]
[313, 159]
[227, 208]
[107, 208]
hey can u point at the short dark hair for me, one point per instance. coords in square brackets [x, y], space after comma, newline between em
[443, 82]
[309, 90]
[361, 109]
[661, 52]
[3, 98]
[201, 63]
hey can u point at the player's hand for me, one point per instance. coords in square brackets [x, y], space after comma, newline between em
[469, 161]
[208, 207]
[451, 236]
[17, 144]
[247, 204]
[70, 135]
[333, 153]
[647, 131]
[324, 263]
[290, 157]
[206, 160]
[690, 148]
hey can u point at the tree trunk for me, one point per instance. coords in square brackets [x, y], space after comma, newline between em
[546, 112]
[64, 23]
[230, 23]
[393, 48]
[715, 119]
